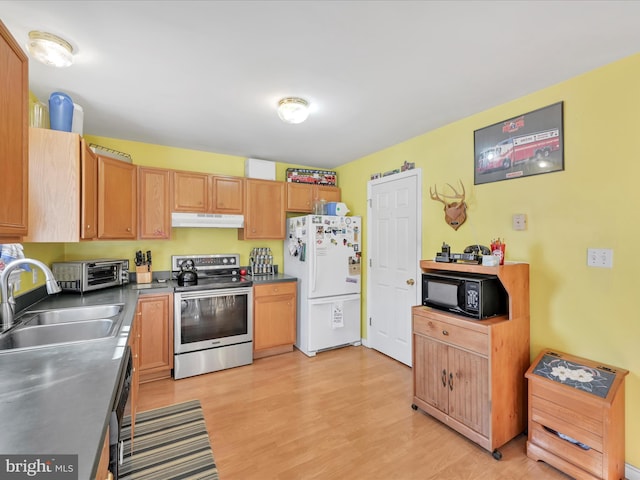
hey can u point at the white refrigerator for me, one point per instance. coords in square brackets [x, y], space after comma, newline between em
[324, 253]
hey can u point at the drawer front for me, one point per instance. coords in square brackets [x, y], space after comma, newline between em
[279, 288]
[588, 460]
[567, 421]
[589, 406]
[453, 334]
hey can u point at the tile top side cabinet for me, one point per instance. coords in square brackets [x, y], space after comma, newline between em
[576, 415]
[469, 374]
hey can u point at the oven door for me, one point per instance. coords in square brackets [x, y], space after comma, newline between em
[212, 318]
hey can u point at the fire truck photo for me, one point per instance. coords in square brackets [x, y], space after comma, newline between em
[515, 150]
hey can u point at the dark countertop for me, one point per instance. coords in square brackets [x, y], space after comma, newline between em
[57, 399]
[167, 286]
[279, 277]
[168, 283]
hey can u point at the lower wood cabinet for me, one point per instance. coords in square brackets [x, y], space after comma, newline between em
[469, 374]
[102, 472]
[155, 315]
[577, 425]
[274, 318]
[454, 381]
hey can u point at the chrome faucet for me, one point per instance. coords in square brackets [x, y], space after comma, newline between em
[8, 302]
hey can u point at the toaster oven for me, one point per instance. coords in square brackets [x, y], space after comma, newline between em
[86, 275]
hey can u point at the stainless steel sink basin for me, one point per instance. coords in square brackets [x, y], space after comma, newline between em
[64, 315]
[43, 335]
[41, 328]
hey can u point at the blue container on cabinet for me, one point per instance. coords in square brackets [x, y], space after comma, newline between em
[60, 111]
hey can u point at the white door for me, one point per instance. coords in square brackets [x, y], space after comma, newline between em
[394, 248]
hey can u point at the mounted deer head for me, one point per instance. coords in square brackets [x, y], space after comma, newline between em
[455, 213]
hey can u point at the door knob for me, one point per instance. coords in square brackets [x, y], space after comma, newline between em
[411, 281]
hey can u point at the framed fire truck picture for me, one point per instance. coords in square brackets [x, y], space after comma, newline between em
[529, 144]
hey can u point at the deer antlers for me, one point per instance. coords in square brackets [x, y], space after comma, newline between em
[455, 213]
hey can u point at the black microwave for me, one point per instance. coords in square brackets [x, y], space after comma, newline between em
[472, 295]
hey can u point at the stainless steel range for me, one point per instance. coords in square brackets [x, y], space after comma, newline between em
[213, 318]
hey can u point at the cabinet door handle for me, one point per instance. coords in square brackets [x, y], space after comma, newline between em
[411, 281]
[450, 381]
[445, 332]
[444, 378]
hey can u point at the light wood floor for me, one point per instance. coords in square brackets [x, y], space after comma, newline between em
[344, 414]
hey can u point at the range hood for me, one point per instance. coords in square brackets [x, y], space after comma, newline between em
[206, 220]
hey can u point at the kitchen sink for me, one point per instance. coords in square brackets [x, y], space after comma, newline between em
[65, 315]
[43, 335]
[41, 328]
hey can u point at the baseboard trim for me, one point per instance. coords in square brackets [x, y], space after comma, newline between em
[631, 472]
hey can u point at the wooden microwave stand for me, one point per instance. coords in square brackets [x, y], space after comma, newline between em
[576, 416]
[469, 374]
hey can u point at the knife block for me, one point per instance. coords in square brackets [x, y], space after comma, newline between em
[143, 274]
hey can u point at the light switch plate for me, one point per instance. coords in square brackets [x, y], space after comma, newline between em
[519, 221]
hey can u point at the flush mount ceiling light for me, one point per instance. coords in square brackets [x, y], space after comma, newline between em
[293, 110]
[50, 49]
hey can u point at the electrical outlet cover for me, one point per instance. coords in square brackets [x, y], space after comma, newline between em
[519, 221]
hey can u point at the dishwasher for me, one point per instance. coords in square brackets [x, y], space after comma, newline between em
[116, 436]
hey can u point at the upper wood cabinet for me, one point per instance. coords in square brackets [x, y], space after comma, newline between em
[324, 192]
[203, 193]
[301, 196]
[117, 187]
[226, 194]
[14, 138]
[88, 192]
[264, 214]
[154, 207]
[190, 192]
[63, 184]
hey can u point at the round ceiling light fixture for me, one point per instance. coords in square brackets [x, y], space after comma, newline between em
[50, 49]
[293, 110]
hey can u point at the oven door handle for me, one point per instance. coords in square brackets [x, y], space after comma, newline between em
[216, 292]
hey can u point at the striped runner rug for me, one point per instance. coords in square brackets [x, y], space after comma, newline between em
[170, 443]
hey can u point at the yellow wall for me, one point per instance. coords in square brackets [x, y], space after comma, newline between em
[589, 312]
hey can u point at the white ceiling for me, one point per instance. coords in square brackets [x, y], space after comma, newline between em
[207, 75]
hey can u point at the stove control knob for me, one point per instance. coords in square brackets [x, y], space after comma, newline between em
[232, 260]
[225, 260]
